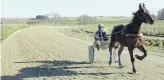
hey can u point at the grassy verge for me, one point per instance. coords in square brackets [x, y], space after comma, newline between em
[155, 29]
[8, 29]
[153, 44]
[155, 49]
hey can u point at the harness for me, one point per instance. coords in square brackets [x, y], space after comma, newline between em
[123, 33]
[135, 35]
[123, 30]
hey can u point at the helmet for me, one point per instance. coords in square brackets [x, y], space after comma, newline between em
[100, 25]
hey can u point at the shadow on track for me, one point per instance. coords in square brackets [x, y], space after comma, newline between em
[51, 68]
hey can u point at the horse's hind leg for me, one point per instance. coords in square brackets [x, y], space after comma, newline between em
[141, 48]
[110, 52]
[111, 45]
[114, 54]
[116, 47]
[119, 55]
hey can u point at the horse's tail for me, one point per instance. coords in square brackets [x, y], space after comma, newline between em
[116, 30]
[112, 39]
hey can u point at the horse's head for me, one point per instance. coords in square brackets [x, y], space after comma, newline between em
[144, 15]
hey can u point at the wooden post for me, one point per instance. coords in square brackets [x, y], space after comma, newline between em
[154, 30]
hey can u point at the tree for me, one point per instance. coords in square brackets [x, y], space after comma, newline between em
[53, 15]
[42, 17]
[86, 19]
[153, 16]
[160, 15]
[55, 18]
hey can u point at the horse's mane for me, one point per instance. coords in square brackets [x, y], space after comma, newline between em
[133, 17]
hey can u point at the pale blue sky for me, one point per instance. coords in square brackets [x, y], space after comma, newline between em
[30, 8]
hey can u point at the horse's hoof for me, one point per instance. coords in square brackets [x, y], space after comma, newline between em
[121, 66]
[138, 57]
[109, 63]
[135, 72]
[116, 61]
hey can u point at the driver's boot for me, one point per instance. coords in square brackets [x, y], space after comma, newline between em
[97, 46]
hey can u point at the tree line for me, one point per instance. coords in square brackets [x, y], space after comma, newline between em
[160, 15]
[82, 19]
[56, 18]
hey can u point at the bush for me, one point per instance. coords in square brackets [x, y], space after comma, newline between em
[152, 42]
[8, 29]
[42, 17]
[146, 42]
[75, 30]
[33, 22]
[86, 19]
[160, 15]
[159, 43]
[163, 42]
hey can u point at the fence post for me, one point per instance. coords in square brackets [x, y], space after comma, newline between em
[154, 30]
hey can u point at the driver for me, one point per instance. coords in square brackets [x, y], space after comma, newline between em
[100, 35]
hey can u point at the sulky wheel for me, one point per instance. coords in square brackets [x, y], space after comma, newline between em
[91, 53]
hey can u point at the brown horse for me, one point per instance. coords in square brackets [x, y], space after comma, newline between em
[130, 35]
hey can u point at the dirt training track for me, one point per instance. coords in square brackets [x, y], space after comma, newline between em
[43, 53]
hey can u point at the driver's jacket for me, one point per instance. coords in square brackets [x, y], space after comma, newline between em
[99, 35]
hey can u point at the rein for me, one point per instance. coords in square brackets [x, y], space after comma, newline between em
[124, 28]
[140, 34]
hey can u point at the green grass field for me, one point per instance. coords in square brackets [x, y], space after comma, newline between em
[156, 28]
[154, 43]
[8, 29]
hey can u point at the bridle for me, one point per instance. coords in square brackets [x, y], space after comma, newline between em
[140, 16]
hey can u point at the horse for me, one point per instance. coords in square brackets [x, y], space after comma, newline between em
[130, 36]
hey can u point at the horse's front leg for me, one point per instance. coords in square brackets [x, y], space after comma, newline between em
[132, 59]
[141, 48]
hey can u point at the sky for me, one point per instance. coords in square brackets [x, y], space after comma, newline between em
[72, 8]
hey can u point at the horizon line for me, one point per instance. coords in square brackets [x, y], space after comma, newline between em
[69, 16]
